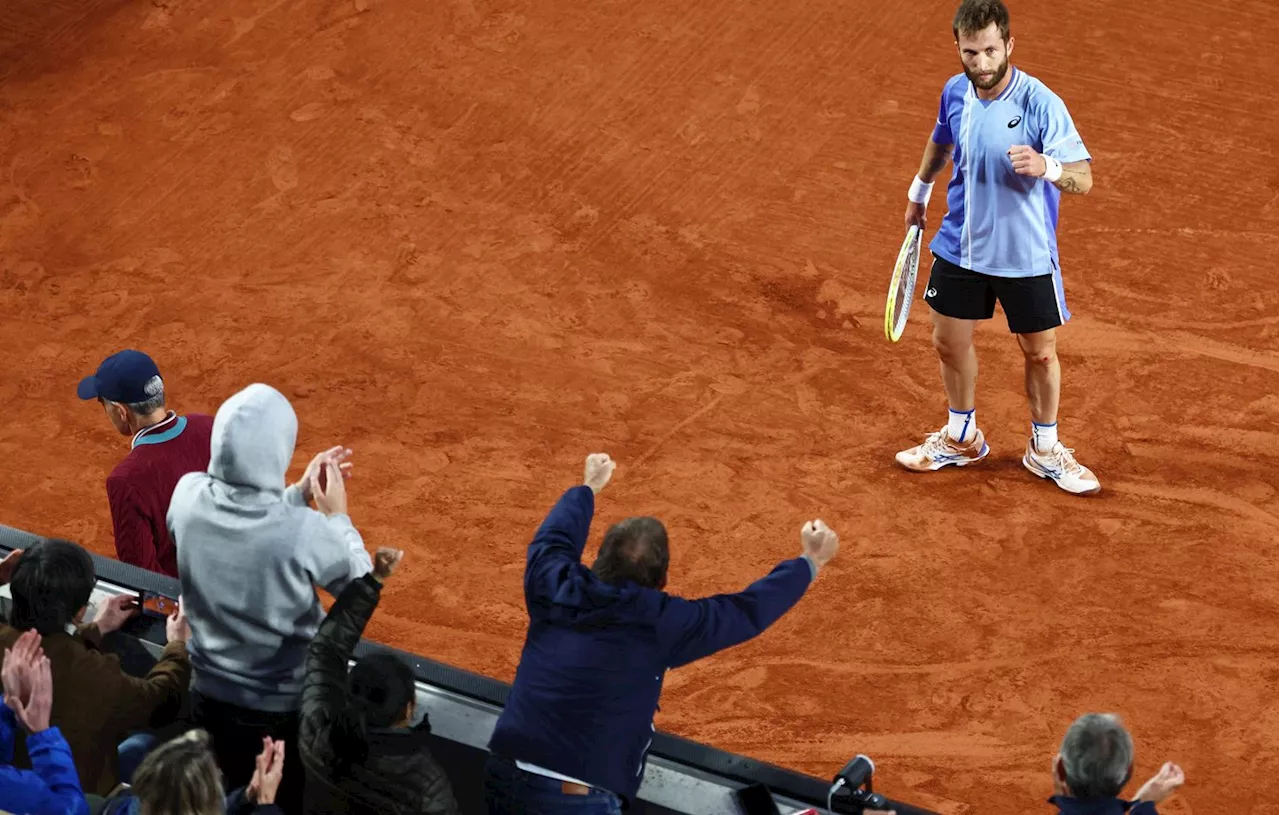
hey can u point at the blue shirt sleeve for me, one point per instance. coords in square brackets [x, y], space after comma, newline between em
[1058, 133]
[942, 128]
[557, 546]
[8, 727]
[52, 786]
[693, 629]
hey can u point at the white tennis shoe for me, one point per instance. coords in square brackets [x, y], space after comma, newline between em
[1060, 465]
[939, 451]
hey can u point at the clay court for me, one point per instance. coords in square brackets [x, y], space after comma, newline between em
[475, 240]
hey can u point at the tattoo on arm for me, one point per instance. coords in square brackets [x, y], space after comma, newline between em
[1075, 179]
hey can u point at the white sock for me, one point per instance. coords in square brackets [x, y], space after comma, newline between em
[961, 425]
[1044, 436]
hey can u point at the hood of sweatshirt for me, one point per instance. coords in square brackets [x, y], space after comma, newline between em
[254, 434]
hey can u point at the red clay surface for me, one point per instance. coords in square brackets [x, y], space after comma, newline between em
[476, 240]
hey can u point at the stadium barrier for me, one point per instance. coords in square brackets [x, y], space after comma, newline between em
[682, 776]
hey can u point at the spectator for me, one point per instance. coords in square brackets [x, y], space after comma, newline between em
[95, 703]
[52, 788]
[1093, 766]
[164, 447]
[359, 751]
[181, 777]
[8, 564]
[250, 554]
[578, 723]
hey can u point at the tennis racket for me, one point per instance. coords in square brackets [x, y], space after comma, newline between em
[902, 286]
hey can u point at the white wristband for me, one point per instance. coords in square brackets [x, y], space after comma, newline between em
[919, 192]
[1052, 168]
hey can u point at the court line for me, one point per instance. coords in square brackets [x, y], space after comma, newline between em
[1199, 496]
[697, 414]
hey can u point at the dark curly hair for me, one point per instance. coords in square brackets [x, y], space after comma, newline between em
[975, 15]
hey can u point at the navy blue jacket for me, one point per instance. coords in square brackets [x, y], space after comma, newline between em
[52, 786]
[1100, 806]
[587, 687]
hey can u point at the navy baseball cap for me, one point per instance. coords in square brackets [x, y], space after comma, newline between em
[122, 377]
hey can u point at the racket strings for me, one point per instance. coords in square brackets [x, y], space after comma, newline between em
[902, 286]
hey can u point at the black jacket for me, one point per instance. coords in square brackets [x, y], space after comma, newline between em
[400, 776]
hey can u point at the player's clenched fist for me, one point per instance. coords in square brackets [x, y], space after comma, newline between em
[1027, 161]
[598, 471]
[820, 542]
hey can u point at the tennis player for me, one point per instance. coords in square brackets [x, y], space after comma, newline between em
[1014, 151]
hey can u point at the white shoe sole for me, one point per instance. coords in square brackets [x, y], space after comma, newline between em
[938, 465]
[1038, 472]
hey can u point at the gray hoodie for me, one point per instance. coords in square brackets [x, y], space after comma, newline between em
[250, 554]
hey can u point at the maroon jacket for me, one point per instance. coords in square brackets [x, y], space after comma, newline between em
[139, 488]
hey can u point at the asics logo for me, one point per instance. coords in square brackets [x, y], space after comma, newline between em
[1014, 121]
[1049, 471]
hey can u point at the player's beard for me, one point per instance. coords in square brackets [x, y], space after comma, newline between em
[987, 83]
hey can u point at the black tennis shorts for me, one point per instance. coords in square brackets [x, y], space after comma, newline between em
[1030, 304]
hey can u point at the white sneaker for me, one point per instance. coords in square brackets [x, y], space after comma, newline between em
[1060, 465]
[939, 451]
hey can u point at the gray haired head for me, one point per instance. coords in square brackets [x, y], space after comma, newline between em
[1096, 756]
[154, 389]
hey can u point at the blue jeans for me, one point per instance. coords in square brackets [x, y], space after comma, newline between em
[509, 790]
[132, 751]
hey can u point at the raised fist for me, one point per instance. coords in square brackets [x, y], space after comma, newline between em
[820, 542]
[598, 471]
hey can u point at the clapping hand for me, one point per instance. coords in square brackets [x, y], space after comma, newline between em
[13, 673]
[316, 470]
[28, 683]
[1161, 785]
[329, 488]
[268, 770]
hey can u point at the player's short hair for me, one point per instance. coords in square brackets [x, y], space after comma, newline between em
[1097, 755]
[975, 15]
[634, 550]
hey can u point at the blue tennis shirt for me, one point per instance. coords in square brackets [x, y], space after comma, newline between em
[998, 222]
